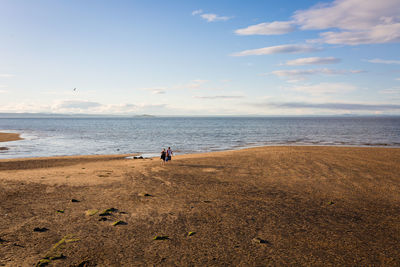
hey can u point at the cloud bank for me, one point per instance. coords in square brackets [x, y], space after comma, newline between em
[272, 28]
[312, 61]
[356, 22]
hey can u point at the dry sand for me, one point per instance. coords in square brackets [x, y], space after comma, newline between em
[253, 207]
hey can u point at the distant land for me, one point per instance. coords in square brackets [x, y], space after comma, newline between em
[75, 115]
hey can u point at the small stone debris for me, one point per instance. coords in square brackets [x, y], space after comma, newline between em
[39, 229]
[74, 200]
[191, 233]
[331, 203]
[118, 223]
[102, 219]
[138, 157]
[161, 237]
[258, 240]
[107, 212]
[60, 211]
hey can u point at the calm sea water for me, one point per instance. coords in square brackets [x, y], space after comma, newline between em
[88, 136]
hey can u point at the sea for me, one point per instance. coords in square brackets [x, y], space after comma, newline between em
[147, 136]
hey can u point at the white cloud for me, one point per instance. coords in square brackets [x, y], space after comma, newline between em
[329, 106]
[209, 17]
[360, 21]
[356, 22]
[77, 104]
[312, 61]
[195, 84]
[289, 49]
[85, 107]
[348, 15]
[375, 35]
[300, 73]
[324, 88]
[272, 28]
[384, 61]
[158, 92]
[196, 12]
[6, 75]
[3, 91]
[391, 91]
[227, 97]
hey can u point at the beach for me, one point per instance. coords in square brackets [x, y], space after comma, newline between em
[284, 205]
[6, 137]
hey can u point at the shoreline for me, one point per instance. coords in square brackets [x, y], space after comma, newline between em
[7, 137]
[67, 160]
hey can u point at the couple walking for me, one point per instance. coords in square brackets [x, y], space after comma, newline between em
[166, 155]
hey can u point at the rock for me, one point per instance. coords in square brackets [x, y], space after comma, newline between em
[191, 233]
[4, 148]
[107, 212]
[118, 223]
[74, 200]
[258, 240]
[161, 237]
[38, 229]
[60, 211]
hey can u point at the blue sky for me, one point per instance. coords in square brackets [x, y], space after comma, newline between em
[200, 57]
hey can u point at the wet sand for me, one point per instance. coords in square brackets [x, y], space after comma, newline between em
[6, 137]
[261, 206]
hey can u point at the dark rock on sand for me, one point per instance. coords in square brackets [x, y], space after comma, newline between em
[39, 229]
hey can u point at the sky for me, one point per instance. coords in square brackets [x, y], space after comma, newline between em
[225, 57]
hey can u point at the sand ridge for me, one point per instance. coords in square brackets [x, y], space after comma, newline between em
[261, 206]
[6, 137]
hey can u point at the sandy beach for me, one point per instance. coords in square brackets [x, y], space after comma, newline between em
[260, 206]
[6, 137]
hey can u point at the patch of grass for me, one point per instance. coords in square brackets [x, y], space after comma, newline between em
[57, 257]
[43, 262]
[191, 233]
[66, 239]
[161, 237]
[53, 253]
[118, 223]
[91, 212]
